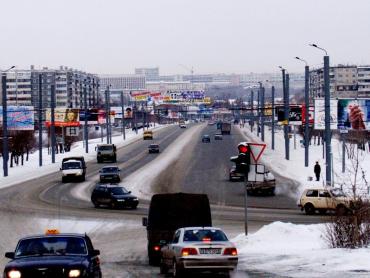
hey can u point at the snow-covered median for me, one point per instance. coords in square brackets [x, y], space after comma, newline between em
[298, 251]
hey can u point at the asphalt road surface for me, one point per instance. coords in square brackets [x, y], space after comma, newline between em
[200, 168]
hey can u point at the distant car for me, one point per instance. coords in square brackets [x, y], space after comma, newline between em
[53, 255]
[73, 168]
[110, 174]
[148, 135]
[106, 152]
[183, 126]
[113, 196]
[218, 137]
[153, 148]
[211, 123]
[198, 249]
[206, 139]
[234, 175]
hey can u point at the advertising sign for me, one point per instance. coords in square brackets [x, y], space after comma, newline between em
[92, 116]
[295, 114]
[311, 111]
[63, 117]
[128, 114]
[116, 112]
[354, 114]
[320, 114]
[19, 117]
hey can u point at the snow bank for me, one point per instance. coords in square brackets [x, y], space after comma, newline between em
[31, 170]
[298, 251]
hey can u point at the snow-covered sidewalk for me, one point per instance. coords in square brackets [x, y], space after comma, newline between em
[294, 167]
[31, 170]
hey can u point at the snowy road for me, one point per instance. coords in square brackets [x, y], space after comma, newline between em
[33, 206]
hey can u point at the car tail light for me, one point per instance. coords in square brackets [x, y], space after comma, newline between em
[157, 248]
[14, 274]
[206, 239]
[230, 251]
[188, 251]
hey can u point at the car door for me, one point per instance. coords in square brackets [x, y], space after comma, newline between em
[324, 200]
[171, 251]
[312, 197]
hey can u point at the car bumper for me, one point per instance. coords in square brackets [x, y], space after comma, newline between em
[127, 203]
[110, 178]
[209, 263]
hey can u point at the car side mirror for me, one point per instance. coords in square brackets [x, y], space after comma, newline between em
[96, 252]
[9, 255]
[145, 221]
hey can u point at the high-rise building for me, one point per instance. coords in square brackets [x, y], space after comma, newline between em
[151, 74]
[122, 82]
[363, 75]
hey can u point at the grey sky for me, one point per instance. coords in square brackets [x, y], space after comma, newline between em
[115, 36]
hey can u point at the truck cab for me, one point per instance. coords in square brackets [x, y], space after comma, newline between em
[106, 152]
[148, 135]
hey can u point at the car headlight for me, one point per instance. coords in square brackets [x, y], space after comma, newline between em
[74, 273]
[79, 173]
[136, 199]
[14, 274]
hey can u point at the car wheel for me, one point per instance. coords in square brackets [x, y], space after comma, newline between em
[113, 205]
[96, 205]
[163, 269]
[64, 180]
[176, 270]
[309, 209]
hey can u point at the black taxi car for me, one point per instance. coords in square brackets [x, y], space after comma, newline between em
[53, 255]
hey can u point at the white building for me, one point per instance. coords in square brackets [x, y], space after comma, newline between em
[151, 74]
[122, 82]
[363, 75]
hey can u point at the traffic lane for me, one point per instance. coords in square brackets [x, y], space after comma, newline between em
[133, 158]
[209, 173]
[26, 195]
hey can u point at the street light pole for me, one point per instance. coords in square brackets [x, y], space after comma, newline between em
[273, 118]
[52, 126]
[327, 131]
[286, 112]
[252, 112]
[306, 103]
[86, 130]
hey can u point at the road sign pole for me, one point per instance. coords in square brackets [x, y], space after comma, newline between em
[5, 125]
[246, 209]
[273, 118]
[52, 126]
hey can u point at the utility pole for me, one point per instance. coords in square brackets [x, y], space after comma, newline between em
[52, 126]
[327, 120]
[86, 131]
[5, 125]
[273, 118]
[252, 111]
[40, 119]
[123, 118]
[107, 117]
[262, 113]
[258, 113]
[286, 116]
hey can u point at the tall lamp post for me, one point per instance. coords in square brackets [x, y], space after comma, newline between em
[306, 103]
[5, 122]
[286, 110]
[327, 132]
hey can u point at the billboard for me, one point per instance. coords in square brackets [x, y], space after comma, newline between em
[311, 111]
[295, 114]
[92, 116]
[63, 117]
[320, 114]
[354, 114]
[19, 117]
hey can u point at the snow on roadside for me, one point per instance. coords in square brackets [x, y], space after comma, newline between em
[298, 251]
[294, 168]
[31, 170]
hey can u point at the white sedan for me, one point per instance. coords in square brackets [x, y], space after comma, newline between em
[198, 249]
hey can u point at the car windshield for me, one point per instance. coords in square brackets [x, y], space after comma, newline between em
[71, 165]
[336, 192]
[109, 169]
[55, 245]
[204, 235]
[105, 148]
[205, 136]
[153, 146]
[118, 190]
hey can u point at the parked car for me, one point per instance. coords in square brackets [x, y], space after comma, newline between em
[153, 148]
[198, 249]
[110, 174]
[218, 136]
[206, 139]
[113, 196]
[323, 200]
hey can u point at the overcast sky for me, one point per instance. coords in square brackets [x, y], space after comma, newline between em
[213, 36]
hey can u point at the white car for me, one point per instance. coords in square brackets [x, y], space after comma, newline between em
[198, 249]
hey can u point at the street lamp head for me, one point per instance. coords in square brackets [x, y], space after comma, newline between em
[316, 46]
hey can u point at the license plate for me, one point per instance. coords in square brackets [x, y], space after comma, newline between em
[210, 251]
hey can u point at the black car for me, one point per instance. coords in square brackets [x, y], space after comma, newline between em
[218, 136]
[113, 196]
[110, 174]
[53, 255]
[206, 139]
[153, 148]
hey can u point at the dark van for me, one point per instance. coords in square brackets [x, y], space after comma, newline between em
[169, 212]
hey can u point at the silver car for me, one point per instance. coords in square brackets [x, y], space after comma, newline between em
[198, 249]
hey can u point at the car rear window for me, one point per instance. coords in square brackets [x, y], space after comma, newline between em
[109, 169]
[105, 148]
[204, 235]
[312, 193]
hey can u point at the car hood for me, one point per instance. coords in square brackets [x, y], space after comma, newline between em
[124, 196]
[45, 261]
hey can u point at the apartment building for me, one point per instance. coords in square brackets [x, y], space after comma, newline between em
[122, 81]
[151, 74]
[363, 75]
